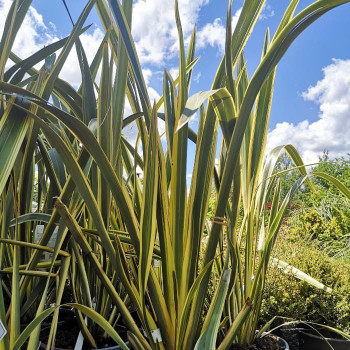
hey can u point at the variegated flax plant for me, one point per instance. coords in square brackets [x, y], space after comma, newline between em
[131, 249]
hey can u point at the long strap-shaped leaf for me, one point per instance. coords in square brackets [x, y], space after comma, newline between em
[293, 271]
[276, 51]
[125, 35]
[13, 22]
[84, 309]
[207, 340]
[339, 185]
[149, 203]
[120, 85]
[78, 235]
[236, 326]
[13, 128]
[123, 202]
[49, 84]
[116, 187]
[18, 70]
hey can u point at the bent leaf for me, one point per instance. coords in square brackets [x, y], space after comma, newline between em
[291, 270]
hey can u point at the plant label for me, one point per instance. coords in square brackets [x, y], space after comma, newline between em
[157, 337]
[39, 230]
[3, 330]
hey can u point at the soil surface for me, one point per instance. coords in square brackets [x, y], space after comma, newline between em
[67, 330]
[268, 342]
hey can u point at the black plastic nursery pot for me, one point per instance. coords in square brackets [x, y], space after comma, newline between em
[309, 341]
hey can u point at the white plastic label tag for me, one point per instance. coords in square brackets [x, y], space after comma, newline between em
[39, 230]
[3, 331]
[157, 337]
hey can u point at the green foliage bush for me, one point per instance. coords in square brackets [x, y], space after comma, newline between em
[324, 216]
[339, 168]
[286, 296]
[326, 224]
[314, 238]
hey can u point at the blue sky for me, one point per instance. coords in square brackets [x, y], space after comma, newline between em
[311, 105]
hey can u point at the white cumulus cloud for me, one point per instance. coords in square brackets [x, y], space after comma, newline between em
[214, 34]
[91, 42]
[332, 130]
[154, 27]
[174, 72]
[266, 12]
[34, 34]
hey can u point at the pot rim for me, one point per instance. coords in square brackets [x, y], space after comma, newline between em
[324, 338]
[285, 343]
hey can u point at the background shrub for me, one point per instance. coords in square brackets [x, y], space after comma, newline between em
[286, 296]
